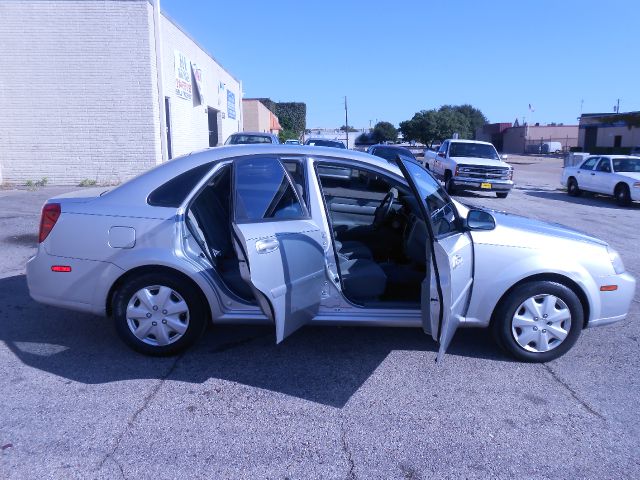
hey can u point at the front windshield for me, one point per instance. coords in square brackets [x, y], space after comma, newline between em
[440, 207]
[477, 150]
[626, 165]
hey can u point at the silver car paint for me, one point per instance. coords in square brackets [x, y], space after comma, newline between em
[517, 249]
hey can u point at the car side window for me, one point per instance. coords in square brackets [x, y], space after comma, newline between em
[296, 171]
[589, 163]
[174, 192]
[264, 191]
[604, 165]
[443, 147]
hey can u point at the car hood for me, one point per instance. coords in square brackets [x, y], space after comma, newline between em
[480, 161]
[519, 231]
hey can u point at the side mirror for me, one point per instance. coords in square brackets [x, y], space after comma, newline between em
[442, 154]
[504, 157]
[480, 220]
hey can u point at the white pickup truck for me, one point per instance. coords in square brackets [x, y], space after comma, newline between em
[470, 165]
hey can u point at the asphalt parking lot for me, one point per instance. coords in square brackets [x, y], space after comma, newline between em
[326, 403]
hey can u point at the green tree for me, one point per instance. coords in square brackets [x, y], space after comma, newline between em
[384, 132]
[287, 134]
[428, 126]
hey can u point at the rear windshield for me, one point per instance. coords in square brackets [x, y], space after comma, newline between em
[477, 150]
[244, 139]
[325, 143]
[626, 165]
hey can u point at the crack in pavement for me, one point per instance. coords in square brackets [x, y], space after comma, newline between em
[351, 474]
[145, 403]
[573, 393]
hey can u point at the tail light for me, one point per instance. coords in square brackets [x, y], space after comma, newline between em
[50, 215]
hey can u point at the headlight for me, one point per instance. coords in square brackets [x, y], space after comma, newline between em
[616, 261]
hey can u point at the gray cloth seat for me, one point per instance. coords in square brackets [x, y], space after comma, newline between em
[362, 279]
[353, 249]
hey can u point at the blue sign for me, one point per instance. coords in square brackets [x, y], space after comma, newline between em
[231, 104]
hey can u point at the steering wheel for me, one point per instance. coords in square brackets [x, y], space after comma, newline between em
[383, 210]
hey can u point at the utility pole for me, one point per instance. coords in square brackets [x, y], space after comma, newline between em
[346, 120]
[618, 106]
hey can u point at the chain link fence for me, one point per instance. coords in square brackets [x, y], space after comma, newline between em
[550, 144]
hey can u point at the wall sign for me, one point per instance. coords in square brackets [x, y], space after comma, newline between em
[231, 104]
[182, 65]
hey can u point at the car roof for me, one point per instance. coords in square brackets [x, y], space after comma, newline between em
[138, 188]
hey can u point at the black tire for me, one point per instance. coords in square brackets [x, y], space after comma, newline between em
[502, 194]
[197, 313]
[572, 188]
[623, 195]
[448, 183]
[501, 324]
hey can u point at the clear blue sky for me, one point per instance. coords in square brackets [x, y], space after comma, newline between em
[392, 59]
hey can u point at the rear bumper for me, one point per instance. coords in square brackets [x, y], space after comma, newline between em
[615, 305]
[466, 183]
[83, 289]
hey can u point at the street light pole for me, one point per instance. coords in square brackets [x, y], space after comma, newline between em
[346, 120]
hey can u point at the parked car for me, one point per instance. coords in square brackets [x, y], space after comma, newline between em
[292, 142]
[470, 165]
[616, 175]
[254, 235]
[390, 153]
[323, 142]
[251, 138]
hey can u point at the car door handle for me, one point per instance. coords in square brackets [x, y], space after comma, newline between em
[267, 246]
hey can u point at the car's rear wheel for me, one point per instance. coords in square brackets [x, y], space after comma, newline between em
[623, 195]
[539, 321]
[502, 194]
[572, 188]
[158, 314]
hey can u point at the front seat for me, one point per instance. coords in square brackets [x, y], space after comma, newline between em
[353, 249]
[362, 279]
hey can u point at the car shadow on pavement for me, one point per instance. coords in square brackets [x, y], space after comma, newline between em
[594, 200]
[320, 364]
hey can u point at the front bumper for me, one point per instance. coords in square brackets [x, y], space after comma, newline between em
[614, 305]
[466, 183]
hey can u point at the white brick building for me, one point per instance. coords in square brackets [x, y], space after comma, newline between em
[81, 98]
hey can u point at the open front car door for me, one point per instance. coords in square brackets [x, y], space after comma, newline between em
[447, 288]
[278, 244]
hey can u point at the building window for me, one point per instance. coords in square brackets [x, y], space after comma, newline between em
[617, 141]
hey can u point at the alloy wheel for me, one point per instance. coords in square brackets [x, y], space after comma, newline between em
[541, 323]
[157, 315]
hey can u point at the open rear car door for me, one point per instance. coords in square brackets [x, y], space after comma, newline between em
[278, 244]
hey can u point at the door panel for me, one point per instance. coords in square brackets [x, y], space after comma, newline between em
[286, 265]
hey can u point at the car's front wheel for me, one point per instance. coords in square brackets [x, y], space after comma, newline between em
[158, 314]
[572, 188]
[539, 321]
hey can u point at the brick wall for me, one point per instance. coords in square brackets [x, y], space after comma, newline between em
[77, 91]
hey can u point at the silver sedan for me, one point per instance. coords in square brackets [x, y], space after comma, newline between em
[266, 234]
